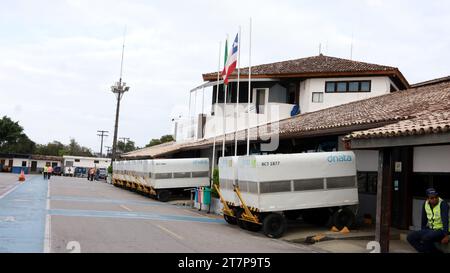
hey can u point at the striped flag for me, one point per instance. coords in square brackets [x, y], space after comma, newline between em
[231, 61]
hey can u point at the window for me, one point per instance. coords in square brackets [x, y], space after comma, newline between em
[348, 86]
[365, 87]
[341, 87]
[353, 86]
[278, 186]
[200, 174]
[317, 97]
[182, 175]
[341, 182]
[77, 160]
[24, 163]
[330, 87]
[163, 175]
[308, 184]
[367, 182]
[96, 161]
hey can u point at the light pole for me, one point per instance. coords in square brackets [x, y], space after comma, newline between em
[118, 89]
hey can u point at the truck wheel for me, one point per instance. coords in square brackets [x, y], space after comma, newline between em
[163, 196]
[230, 220]
[274, 225]
[253, 227]
[343, 218]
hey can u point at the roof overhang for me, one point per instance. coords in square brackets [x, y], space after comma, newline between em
[401, 141]
[396, 76]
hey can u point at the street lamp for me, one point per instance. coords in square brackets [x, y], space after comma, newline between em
[118, 89]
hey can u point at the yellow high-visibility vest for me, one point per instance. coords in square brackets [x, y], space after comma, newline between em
[434, 216]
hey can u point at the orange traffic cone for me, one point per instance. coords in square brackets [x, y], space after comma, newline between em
[22, 176]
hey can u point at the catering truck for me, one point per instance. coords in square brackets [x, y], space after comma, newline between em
[161, 178]
[319, 187]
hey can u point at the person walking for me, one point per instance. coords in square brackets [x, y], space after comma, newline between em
[49, 171]
[45, 171]
[435, 224]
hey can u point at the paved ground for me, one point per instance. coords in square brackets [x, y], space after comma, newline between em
[71, 214]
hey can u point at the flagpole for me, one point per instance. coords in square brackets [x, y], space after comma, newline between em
[249, 87]
[237, 98]
[225, 104]
[224, 120]
[215, 114]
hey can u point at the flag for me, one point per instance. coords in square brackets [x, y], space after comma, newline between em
[224, 72]
[231, 61]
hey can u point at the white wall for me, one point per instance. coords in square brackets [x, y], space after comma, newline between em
[89, 162]
[17, 162]
[432, 159]
[379, 86]
[42, 163]
[366, 161]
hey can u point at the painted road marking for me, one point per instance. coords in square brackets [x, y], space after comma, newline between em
[170, 232]
[9, 191]
[48, 224]
[132, 215]
[125, 207]
[104, 200]
[26, 233]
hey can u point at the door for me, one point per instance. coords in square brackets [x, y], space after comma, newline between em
[260, 101]
[33, 166]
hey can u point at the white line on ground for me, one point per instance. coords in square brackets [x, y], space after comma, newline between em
[48, 219]
[9, 191]
[47, 241]
[125, 207]
[170, 232]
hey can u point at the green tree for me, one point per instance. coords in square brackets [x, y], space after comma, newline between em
[12, 137]
[163, 139]
[126, 147]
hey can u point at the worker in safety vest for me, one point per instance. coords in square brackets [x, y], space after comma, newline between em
[49, 172]
[435, 224]
[45, 171]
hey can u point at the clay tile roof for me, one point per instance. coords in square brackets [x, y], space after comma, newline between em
[312, 65]
[414, 111]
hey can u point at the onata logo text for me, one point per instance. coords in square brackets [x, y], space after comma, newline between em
[339, 158]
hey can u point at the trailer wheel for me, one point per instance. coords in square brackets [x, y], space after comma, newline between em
[163, 196]
[343, 217]
[230, 220]
[274, 225]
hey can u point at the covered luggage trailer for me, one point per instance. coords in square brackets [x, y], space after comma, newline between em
[320, 187]
[160, 178]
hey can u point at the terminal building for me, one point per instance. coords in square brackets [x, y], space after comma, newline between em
[343, 105]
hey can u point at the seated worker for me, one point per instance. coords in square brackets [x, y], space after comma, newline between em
[435, 224]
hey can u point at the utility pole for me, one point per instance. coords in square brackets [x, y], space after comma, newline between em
[102, 134]
[118, 89]
[108, 150]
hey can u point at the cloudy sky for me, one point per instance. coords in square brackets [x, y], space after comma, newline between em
[59, 58]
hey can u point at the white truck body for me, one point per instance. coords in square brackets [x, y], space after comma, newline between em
[228, 176]
[284, 182]
[180, 173]
[164, 173]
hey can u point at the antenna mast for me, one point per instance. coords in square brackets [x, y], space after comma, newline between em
[123, 50]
